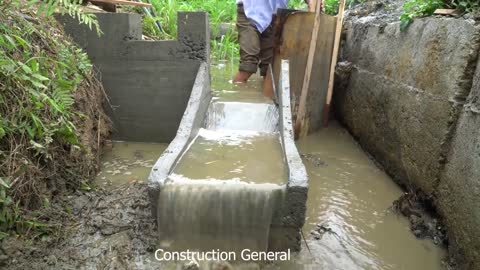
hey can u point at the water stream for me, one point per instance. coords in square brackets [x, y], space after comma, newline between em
[229, 180]
[348, 226]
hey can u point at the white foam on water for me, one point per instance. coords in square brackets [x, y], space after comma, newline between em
[211, 214]
[262, 117]
[220, 195]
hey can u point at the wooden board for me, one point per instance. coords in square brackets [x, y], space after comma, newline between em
[293, 43]
[333, 64]
[452, 12]
[300, 128]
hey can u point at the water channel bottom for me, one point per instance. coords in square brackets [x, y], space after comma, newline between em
[224, 189]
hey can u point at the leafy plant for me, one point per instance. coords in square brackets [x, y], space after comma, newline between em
[70, 7]
[466, 5]
[41, 75]
[419, 8]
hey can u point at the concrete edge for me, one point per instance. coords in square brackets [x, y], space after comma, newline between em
[191, 122]
[297, 186]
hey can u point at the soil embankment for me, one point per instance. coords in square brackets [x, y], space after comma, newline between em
[411, 99]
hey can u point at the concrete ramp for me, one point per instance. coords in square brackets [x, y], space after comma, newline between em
[232, 178]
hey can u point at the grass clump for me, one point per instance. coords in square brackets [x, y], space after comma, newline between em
[51, 116]
[420, 8]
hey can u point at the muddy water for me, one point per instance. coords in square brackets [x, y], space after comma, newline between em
[244, 156]
[348, 226]
[126, 162]
[229, 181]
[350, 198]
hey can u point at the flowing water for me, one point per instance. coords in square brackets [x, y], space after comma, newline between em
[229, 180]
[348, 225]
[350, 198]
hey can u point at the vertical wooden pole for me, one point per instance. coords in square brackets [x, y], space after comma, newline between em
[336, 45]
[302, 107]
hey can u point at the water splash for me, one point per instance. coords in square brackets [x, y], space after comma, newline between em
[212, 214]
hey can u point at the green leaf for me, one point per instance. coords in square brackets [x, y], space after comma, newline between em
[25, 68]
[4, 183]
[25, 45]
[11, 41]
[3, 235]
[404, 23]
[38, 84]
[40, 77]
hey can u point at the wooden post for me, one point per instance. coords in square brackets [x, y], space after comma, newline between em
[269, 84]
[336, 45]
[302, 107]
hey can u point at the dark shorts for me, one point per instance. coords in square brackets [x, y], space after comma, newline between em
[256, 49]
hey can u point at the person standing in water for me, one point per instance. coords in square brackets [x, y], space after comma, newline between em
[255, 35]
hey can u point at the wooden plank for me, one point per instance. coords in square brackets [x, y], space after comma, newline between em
[452, 12]
[122, 2]
[306, 79]
[268, 87]
[336, 45]
[293, 36]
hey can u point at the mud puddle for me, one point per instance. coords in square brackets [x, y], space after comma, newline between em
[127, 162]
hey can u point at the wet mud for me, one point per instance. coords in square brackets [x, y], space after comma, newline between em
[105, 229]
[424, 222]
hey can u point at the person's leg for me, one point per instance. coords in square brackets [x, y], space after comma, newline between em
[266, 49]
[249, 39]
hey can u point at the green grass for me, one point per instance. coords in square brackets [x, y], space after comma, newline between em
[420, 8]
[219, 12]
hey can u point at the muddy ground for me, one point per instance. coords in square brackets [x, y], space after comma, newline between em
[105, 229]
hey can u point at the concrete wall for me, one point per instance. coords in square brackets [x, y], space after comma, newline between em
[285, 230]
[148, 83]
[192, 120]
[410, 100]
[459, 189]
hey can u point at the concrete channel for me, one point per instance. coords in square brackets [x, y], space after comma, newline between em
[159, 91]
[422, 131]
[287, 197]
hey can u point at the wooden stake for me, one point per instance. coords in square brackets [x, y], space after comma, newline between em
[308, 70]
[336, 45]
[268, 84]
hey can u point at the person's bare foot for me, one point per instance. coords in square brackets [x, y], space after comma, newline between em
[241, 77]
